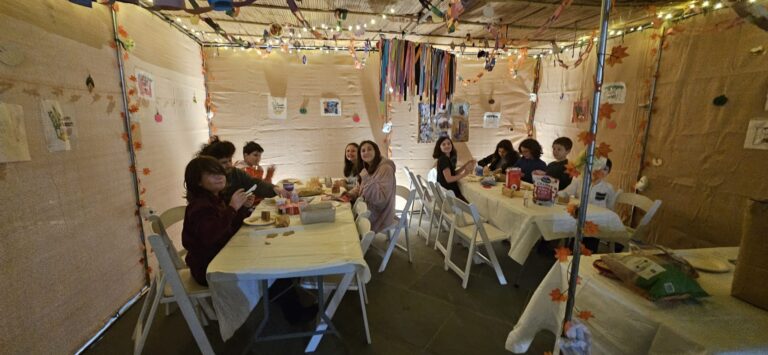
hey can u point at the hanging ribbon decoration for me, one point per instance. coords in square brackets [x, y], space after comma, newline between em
[417, 69]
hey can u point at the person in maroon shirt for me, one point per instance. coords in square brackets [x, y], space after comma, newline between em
[209, 222]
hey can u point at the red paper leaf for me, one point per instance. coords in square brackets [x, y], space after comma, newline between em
[584, 250]
[606, 110]
[572, 170]
[558, 296]
[562, 253]
[603, 149]
[617, 54]
[591, 229]
[586, 137]
[585, 315]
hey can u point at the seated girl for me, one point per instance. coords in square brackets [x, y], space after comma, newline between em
[447, 174]
[209, 222]
[351, 165]
[531, 151]
[252, 152]
[504, 157]
[377, 185]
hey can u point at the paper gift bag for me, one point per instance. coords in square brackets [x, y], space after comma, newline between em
[752, 265]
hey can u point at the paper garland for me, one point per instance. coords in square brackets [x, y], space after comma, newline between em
[416, 69]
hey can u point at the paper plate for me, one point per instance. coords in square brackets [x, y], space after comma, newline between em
[256, 221]
[708, 264]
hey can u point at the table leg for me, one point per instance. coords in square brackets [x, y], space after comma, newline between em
[330, 311]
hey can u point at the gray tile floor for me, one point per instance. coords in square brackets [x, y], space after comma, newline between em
[414, 308]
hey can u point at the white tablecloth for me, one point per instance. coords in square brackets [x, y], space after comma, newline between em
[526, 225]
[626, 323]
[315, 249]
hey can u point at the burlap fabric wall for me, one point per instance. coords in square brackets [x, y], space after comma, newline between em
[307, 145]
[68, 234]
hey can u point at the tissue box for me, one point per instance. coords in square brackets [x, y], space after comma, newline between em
[318, 213]
[752, 265]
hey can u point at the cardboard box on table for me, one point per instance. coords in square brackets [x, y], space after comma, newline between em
[752, 265]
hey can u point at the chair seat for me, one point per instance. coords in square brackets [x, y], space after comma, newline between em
[494, 234]
[193, 288]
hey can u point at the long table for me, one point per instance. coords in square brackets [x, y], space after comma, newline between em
[626, 323]
[251, 258]
[525, 225]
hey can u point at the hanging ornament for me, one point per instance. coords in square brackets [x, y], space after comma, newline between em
[387, 127]
[491, 101]
[303, 110]
[304, 59]
[89, 83]
[356, 118]
[194, 98]
[158, 117]
[275, 29]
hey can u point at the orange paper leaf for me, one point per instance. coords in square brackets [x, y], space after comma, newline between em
[558, 296]
[562, 253]
[591, 229]
[146, 171]
[585, 315]
[572, 170]
[132, 78]
[606, 110]
[573, 210]
[137, 145]
[617, 54]
[132, 169]
[121, 31]
[586, 137]
[603, 149]
[133, 108]
[124, 136]
[585, 251]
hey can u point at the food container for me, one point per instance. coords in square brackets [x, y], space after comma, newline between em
[318, 213]
[514, 175]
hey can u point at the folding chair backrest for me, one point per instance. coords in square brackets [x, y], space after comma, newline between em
[426, 191]
[448, 197]
[163, 252]
[459, 207]
[410, 195]
[363, 225]
[168, 218]
[416, 185]
[408, 176]
[432, 175]
[642, 202]
[366, 234]
[402, 192]
[159, 228]
[357, 202]
[360, 207]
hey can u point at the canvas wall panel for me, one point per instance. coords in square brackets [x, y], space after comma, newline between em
[313, 145]
[67, 224]
[68, 233]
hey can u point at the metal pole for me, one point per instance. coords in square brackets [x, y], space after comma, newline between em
[604, 13]
[131, 151]
[651, 100]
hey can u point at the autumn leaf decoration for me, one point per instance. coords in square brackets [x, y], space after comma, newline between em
[573, 210]
[586, 137]
[591, 229]
[584, 250]
[146, 171]
[562, 253]
[585, 315]
[558, 296]
[572, 170]
[603, 149]
[606, 110]
[617, 54]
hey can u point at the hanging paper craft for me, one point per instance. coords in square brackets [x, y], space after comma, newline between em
[277, 107]
[89, 83]
[580, 111]
[443, 123]
[145, 84]
[13, 134]
[330, 107]
[158, 117]
[757, 134]
[356, 118]
[491, 119]
[426, 125]
[614, 93]
[617, 54]
[54, 130]
[460, 122]
[606, 110]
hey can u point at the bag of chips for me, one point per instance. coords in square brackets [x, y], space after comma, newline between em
[544, 189]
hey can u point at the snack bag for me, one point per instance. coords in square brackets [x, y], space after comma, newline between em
[544, 189]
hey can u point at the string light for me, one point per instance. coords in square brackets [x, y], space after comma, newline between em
[669, 16]
[384, 17]
[304, 29]
[692, 5]
[751, 1]
[392, 10]
[356, 27]
[178, 19]
[373, 21]
[705, 4]
[366, 25]
[350, 28]
[718, 6]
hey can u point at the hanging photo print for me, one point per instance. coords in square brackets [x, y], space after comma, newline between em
[54, 128]
[580, 111]
[491, 119]
[13, 134]
[277, 107]
[614, 93]
[426, 125]
[330, 107]
[145, 85]
[460, 122]
[442, 123]
[757, 135]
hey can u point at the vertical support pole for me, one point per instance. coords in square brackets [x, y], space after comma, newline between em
[570, 302]
[127, 127]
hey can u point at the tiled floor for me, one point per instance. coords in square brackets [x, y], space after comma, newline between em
[414, 308]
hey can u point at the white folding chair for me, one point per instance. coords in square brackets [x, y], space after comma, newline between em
[360, 209]
[432, 175]
[644, 203]
[331, 282]
[427, 205]
[393, 234]
[407, 212]
[414, 184]
[165, 220]
[487, 234]
[183, 290]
